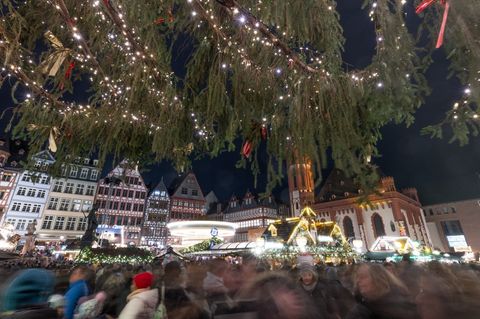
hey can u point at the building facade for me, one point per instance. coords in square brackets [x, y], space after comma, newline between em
[29, 196]
[389, 213]
[70, 199]
[252, 215]
[11, 154]
[455, 225]
[121, 200]
[186, 199]
[157, 215]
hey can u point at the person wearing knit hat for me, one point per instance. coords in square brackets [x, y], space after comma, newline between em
[26, 296]
[142, 301]
[310, 283]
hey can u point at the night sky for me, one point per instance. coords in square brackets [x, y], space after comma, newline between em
[441, 171]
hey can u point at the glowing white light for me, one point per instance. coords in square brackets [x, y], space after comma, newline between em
[278, 71]
[194, 13]
[380, 84]
[242, 19]
[468, 91]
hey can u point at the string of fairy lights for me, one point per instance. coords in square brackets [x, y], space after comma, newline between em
[126, 40]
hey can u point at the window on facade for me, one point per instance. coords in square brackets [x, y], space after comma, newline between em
[445, 210]
[21, 191]
[90, 190]
[80, 189]
[184, 191]
[70, 223]
[128, 206]
[84, 173]
[94, 175]
[115, 205]
[101, 203]
[378, 227]
[452, 228]
[26, 178]
[11, 221]
[45, 180]
[52, 203]
[453, 210]
[47, 222]
[6, 177]
[76, 205]
[135, 207]
[430, 211]
[111, 220]
[82, 224]
[118, 192]
[194, 192]
[122, 206]
[69, 188]
[73, 171]
[142, 195]
[41, 194]
[31, 192]
[140, 208]
[130, 194]
[348, 227]
[125, 193]
[64, 203]
[26, 208]
[36, 208]
[137, 194]
[21, 224]
[87, 205]
[58, 186]
[59, 221]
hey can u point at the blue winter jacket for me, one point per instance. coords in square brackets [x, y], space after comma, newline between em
[77, 290]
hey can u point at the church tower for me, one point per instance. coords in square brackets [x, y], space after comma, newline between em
[300, 185]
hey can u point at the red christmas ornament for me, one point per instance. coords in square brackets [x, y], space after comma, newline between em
[427, 3]
[264, 132]
[247, 148]
[68, 74]
[161, 20]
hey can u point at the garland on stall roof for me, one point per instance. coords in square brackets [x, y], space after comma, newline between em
[114, 256]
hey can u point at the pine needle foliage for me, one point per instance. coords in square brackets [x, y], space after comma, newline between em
[103, 77]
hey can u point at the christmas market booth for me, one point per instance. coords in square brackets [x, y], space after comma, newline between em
[284, 240]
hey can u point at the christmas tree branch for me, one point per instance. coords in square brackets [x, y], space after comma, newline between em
[148, 58]
[292, 57]
[87, 52]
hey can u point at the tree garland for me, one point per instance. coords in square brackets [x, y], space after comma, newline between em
[103, 79]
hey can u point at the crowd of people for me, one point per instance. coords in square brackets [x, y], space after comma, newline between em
[219, 289]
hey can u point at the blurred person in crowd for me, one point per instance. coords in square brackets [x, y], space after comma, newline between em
[26, 297]
[78, 288]
[445, 293]
[177, 301]
[57, 302]
[114, 287]
[143, 300]
[213, 284]
[381, 295]
[276, 295]
[91, 308]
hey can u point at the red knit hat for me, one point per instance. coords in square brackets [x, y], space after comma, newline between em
[143, 280]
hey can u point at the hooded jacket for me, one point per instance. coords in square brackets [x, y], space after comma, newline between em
[142, 304]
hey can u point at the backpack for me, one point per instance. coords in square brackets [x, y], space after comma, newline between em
[161, 312]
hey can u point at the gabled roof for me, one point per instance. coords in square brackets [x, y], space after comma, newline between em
[337, 186]
[44, 156]
[211, 197]
[159, 188]
[188, 181]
